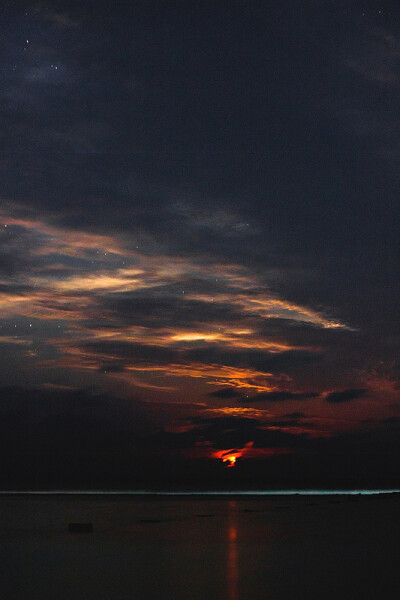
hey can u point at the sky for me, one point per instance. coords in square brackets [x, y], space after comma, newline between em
[199, 256]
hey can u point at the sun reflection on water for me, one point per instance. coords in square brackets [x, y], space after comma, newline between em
[233, 553]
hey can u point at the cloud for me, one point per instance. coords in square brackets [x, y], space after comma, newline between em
[280, 396]
[116, 367]
[377, 57]
[132, 353]
[346, 395]
[294, 415]
[147, 309]
[68, 419]
[225, 393]
[263, 361]
[18, 245]
[210, 357]
[62, 19]
[228, 432]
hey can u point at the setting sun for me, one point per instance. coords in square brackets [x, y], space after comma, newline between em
[230, 460]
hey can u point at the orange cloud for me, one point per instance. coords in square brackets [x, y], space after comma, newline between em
[70, 293]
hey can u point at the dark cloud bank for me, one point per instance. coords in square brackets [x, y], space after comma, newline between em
[77, 438]
[346, 395]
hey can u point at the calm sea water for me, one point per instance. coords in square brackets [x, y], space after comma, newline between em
[198, 548]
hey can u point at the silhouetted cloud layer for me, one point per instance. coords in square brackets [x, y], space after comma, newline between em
[346, 395]
[225, 393]
[280, 396]
[48, 434]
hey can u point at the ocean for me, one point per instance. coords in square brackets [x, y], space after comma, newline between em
[249, 546]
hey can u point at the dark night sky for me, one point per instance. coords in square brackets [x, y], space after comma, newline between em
[199, 251]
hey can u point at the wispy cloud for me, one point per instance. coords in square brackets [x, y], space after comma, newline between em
[376, 57]
[116, 303]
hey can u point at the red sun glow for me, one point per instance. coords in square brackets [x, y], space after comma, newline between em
[229, 457]
[229, 460]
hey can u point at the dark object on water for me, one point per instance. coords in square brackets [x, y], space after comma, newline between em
[80, 528]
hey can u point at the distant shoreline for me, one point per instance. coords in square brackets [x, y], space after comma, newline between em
[199, 493]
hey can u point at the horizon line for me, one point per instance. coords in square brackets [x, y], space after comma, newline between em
[300, 492]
